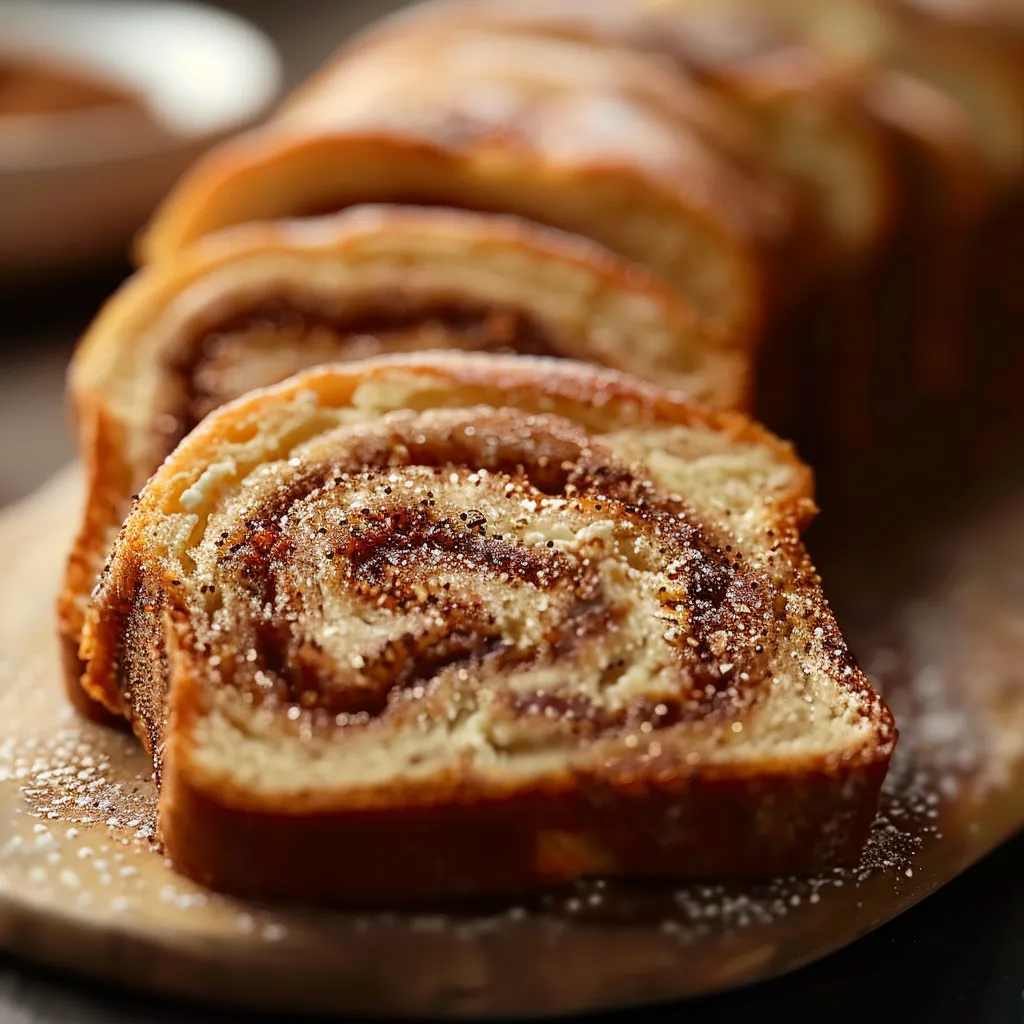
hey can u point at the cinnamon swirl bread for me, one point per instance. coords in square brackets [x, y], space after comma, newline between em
[894, 176]
[906, 36]
[600, 143]
[803, 109]
[252, 305]
[443, 625]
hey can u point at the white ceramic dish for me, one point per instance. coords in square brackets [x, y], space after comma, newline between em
[76, 185]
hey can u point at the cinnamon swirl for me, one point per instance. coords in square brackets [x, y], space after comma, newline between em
[432, 625]
[250, 306]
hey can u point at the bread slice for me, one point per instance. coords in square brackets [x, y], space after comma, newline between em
[600, 144]
[445, 625]
[252, 305]
[906, 36]
[801, 106]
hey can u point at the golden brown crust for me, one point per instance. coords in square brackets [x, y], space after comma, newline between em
[700, 828]
[599, 143]
[904, 37]
[221, 647]
[737, 61]
[250, 306]
[107, 480]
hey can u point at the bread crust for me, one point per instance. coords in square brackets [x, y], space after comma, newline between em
[700, 827]
[781, 812]
[773, 80]
[602, 144]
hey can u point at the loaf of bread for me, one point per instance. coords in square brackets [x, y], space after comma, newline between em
[403, 601]
[253, 304]
[903, 35]
[890, 122]
[527, 619]
[802, 108]
[597, 141]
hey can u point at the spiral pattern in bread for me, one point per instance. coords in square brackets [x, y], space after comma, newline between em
[436, 591]
[249, 307]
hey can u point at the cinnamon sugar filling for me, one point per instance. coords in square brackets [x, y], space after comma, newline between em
[484, 562]
[266, 342]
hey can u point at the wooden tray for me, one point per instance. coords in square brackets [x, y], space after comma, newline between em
[936, 615]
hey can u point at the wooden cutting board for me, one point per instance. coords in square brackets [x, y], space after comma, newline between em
[936, 616]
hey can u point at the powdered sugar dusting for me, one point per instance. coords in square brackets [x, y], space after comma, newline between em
[83, 834]
[71, 776]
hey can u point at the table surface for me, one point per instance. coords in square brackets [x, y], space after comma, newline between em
[958, 956]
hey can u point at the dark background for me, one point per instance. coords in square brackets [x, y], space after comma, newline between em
[957, 957]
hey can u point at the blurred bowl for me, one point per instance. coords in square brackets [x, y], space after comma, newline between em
[76, 183]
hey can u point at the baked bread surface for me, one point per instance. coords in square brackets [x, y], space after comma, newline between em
[801, 107]
[433, 625]
[599, 142]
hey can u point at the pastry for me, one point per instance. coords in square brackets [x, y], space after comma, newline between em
[433, 626]
[258, 302]
[874, 148]
[802, 108]
[905, 36]
[600, 143]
